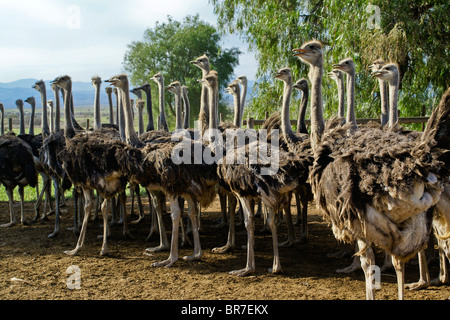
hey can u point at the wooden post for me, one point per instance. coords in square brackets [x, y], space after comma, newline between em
[250, 123]
[267, 115]
[423, 115]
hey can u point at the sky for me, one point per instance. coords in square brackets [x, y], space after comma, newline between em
[44, 39]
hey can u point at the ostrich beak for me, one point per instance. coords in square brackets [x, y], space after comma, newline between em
[378, 73]
[300, 51]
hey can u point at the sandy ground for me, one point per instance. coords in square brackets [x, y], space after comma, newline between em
[34, 267]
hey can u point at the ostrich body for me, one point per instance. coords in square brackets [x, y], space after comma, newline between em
[16, 169]
[374, 187]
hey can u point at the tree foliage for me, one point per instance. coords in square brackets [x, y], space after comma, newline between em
[168, 48]
[415, 34]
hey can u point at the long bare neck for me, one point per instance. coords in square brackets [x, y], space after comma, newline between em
[204, 107]
[33, 112]
[69, 130]
[22, 121]
[121, 114]
[393, 100]
[130, 133]
[57, 109]
[178, 111]
[242, 104]
[52, 118]
[384, 102]
[141, 119]
[162, 113]
[150, 124]
[351, 117]
[317, 121]
[286, 127]
[44, 125]
[237, 107]
[341, 98]
[212, 107]
[2, 122]
[111, 108]
[301, 124]
[97, 118]
[187, 110]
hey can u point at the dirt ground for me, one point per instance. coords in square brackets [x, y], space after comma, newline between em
[33, 267]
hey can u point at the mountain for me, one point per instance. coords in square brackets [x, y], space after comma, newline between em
[83, 93]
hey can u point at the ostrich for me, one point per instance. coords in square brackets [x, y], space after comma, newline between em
[92, 160]
[375, 66]
[56, 94]
[202, 62]
[348, 66]
[389, 73]
[148, 96]
[40, 86]
[157, 171]
[19, 105]
[375, 187]
[244, 83]
[16, 169]
[338, 76]
[159, 79]
[52, 117]
[108, 91]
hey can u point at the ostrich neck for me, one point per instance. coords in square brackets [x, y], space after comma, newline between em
[178, 111]
[130, 133]
[242, 104]
[121, 115]
[212, 107]
[52, 119]
[45, 127]
[317, 121]
[97, 119]
[384, 102]
[22, 121]
[204, 108]
[111, 109]
[141, 119]
[57, 110]
[150, 125]
[285, 121]
[33, 111]
[341, 98]
[187, 110]
[393, 99]
[237, 108]
[162, 113]
[2, 124]
[351, 118]
[69, 131]
[301, 125]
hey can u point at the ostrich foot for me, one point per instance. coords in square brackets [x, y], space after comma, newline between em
[288, 243]
[157, 249]
[8, 225]
[421, 284]
[242, 272]
[53, 234]
[276, 270]
[193, 257]
[73, 252]
[104, 252]
[226, 248]
[165, 263]
[137, 221]
[356, 265]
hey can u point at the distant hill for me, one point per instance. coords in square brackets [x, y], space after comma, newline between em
[83, 93]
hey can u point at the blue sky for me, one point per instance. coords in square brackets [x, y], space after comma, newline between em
[47, 38]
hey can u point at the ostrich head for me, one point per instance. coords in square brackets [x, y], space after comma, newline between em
[39, 86]
[377, 64]
[301, 84]
[202, 62]
[174, 87]
[19, 104]
[310, 52]
[242, 80]
[158, 78]
[96, 81]
[184, 89]
[140, 104]
[136, 92]
[284, 74]
[119, 81]
[31, 101]
[145, 87]
[336, 74]
[210, 80]
[388, 72]
[64, 82]
[50, 103]
[346, 65]
[108, 90]
[232, 88]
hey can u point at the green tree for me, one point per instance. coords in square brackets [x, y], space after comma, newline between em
[415, 34]
[168, 48]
